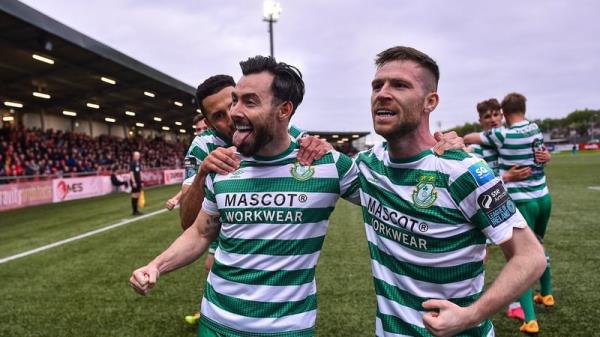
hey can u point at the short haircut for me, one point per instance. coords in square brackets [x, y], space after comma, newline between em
[402, 53]
[211, 86]
[197, 118]
[493, 104]
[287, 82]
[482, 107]
[513, 103]
[487, 105]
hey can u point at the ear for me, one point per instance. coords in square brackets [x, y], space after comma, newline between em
[431, 101]
[285, 111]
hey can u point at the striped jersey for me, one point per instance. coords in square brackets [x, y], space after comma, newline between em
[516, 145]
[487, 153]
[426, 220]
[206, 142]
[274, 215]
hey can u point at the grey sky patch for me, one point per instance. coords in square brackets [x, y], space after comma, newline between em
[543, 49]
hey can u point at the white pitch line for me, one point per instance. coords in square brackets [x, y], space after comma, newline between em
[79, 237]
[597, 188]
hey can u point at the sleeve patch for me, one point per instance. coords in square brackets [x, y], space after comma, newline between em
[481, 172]
[496, 204]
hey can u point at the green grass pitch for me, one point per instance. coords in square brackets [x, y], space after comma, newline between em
[81, 288]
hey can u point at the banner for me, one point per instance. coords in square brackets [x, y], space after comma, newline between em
[174, 176]
[593, 146]
[25, 194]
[152, 178]
[64, 189]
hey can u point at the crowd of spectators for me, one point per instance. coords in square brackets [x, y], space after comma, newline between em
[30, 152]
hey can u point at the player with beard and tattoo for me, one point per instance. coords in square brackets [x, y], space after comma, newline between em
[271, 216]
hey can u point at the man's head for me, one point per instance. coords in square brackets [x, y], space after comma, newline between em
[264, 100]
[404, 91]
[199, 123]
[136, 156]
[514, 103]
[489, 114]
[214, 99]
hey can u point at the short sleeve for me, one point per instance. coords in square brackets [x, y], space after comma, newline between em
[209, 205]
[348, 175]
[484, 200]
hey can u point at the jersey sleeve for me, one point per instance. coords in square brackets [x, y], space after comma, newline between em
[197, 152]
[209, 205]
[296, 132]
[348, 175]
[494, 138]
[484, 200]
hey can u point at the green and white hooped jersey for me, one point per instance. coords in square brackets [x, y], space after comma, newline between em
[487, 153]
[206, 142]
[516, 145]
[427, 219]
[274, 214]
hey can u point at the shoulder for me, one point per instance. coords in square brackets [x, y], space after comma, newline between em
[456, 163]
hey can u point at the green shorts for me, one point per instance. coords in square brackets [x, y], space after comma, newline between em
[206, 331]
[537, 213]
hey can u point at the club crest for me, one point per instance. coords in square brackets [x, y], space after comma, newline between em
[425, 194]
[301, 172]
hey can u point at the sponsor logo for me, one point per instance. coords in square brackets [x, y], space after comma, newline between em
[496, 204]
[301, 172]
[190, 165]
[264, 200]
[481, 172]
[425, 194]
[236, 174]
[389, 215]
[64, 189]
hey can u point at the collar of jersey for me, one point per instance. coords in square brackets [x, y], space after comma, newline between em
[410, 159]
[283, 154]
[521, 123]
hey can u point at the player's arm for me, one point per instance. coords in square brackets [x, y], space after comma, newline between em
[516, 173]
[173, 201]
[188, 247]
[473, 138]
[132, 177]
[221, 161]
[526, 263]
[348, 175]
[542, 156]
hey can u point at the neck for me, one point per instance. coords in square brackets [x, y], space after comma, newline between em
[514, 118]
[280, 142]
[411, 143]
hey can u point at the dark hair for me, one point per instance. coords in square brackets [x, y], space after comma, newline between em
[513, 103]
[489, 104]
[482, 107]
[287, 82]
[402, 53]
[211, 86]
[197, 118]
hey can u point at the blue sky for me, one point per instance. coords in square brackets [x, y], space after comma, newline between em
[543, 49]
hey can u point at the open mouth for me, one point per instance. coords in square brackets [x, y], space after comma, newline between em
[383, 114]
[243, 130]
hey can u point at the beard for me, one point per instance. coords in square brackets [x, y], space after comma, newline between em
[250, 145]
[406, 122]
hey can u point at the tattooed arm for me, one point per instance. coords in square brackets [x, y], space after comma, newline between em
[187, 248]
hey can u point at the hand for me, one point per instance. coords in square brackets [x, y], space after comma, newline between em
[144, 279]
[542, 156]
[446, 318]
[221, 160]
[312, 148]
[516, 173]
[447, 141]
[171, 203]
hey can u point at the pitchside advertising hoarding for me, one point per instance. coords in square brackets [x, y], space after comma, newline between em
[25, 194]
[64, 189]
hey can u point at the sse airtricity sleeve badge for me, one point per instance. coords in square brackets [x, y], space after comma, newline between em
[425, 194]
[301, 172]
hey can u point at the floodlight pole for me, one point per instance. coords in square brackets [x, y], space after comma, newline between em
[271, 13]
